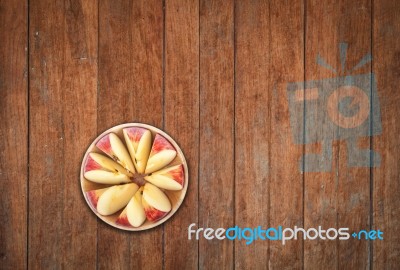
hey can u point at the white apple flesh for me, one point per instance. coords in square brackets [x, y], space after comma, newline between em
[103, 170]
[162, 153]
[156, 204]
[112, 145]
[138, 141]
[115, 198]
[99, 161]
[105, 177]
[94, 195]
[133, 214]
[171, 178]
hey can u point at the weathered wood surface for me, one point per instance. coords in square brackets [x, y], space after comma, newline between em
[214, 75]
[14, 134]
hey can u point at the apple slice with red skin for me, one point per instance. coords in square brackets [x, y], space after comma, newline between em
[155, 203]
[162, 153]
[170, 178]
[138, 141]
[103, 170]
[115, 198]
[133, 214]
[123, 218]
[112, 145]
[94, 195]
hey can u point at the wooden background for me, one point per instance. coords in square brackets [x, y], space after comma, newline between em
[213, 75]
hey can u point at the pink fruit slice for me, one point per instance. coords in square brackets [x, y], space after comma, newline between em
[133, 215]
[171, 178]
[103, 170]
[138, 141]
[106, 177]
[115, 198]
[162, 153]
[94, 195]
[156, 204]
[123, 219]
[97, 161]
[92, 164]
[112, 145]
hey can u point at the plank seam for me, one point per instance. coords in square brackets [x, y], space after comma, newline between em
[371, 141]
[163, 110]
[97, 117]
[28, 135]
[199, 125]
[269, 96]
[304, 112]
[234, 127]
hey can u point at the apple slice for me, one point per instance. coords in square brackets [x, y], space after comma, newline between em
[97, 161]
[138, 141]
[171, 178]
[156, 204]
[112, 145]
[94, 195]
[103, 170]
[105, 177]
[133, 214]
[162, 153]
[115, 198]
[123, 219]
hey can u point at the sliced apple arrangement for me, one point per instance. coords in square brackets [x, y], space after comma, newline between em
[134, 176]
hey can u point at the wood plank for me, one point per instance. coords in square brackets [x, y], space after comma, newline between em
[216, 204]
[340, 196]
[130, 77]
[353, 199]
[386, 186]
[320, 188]
[286, 180]
[79, 95]
[63, 86]
[252, 128]
[14, 134]
[181, 114]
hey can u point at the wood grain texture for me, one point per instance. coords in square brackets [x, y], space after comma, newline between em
[79, 89]
[46, 147]
[13, 134]
[320, 188]
[214, 75]
[386, 179]
[216, 199]
[252, 128]
[130, 78]
[353, 186]
[286, 182]
[181, 116]
[63, 72]
[339, 198]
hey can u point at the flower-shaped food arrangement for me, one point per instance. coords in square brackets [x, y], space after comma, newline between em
[134, 176]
